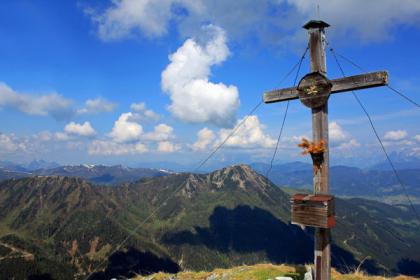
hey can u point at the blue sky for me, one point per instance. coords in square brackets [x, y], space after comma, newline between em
[131, 82]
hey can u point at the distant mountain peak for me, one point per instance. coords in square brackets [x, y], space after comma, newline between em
[241, 176]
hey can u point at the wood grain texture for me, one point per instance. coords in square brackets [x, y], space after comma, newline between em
[314, 210]
[356, 82]
[368, 80]
[321, 177]
[279, 95]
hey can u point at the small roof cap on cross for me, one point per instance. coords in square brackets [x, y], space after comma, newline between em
[315, 24]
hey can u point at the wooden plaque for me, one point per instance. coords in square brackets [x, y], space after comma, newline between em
[314, 90]
[313, 210]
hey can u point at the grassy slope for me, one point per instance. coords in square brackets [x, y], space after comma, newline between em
[259, 272]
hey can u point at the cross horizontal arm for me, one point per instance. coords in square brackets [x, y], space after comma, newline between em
[368, 80]
[279, 95]
[374, 79]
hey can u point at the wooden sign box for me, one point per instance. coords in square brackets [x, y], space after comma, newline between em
[313, 210]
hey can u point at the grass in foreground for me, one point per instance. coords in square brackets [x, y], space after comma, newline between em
[258, 272]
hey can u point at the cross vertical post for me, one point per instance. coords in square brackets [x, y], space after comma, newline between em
[322, 254]
[313, 91]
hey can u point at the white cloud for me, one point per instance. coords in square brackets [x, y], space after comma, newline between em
[109, 148]
[161, 132]
[47, 138]
[125, 17]
[249, 135]
[415, 152]
[125, 129]
[275, 22]
[167, 147]
[37, 105]
[347, 145]
[142, 113]
[97, 105]
[150, 115]
[61, 136]
[205, 137]
[138, 106]
[341, 139]
[9, 143]
[185, 79]
[336, 132]
[127, 137]
[43, 136]
[372, 22]
[395, 135]
[84, 129]
[417, 137]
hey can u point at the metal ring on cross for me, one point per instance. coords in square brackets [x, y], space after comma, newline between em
[314, 90]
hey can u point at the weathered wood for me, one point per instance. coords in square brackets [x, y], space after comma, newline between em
[313, 210]
[369, 80]
[357, 82]
[322, 256]
[279, 95]
[314, 90]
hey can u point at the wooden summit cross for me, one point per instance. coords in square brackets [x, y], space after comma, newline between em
[313, 91]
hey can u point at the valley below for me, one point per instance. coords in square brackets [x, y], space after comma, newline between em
[67, 227]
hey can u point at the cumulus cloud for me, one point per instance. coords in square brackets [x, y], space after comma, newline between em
[8, 143]
[194, 98]
[336, 132]
[341, 139]
[347, 145]
[127, 17]
[128, 137]
[84, 129]
[249, 135]
[46, 136]
[138, 106]
[142, 113]
[62, 136]
[36, 105]
[415, 152]
[205, 137]
[125, 129]
[97, 105]
[275, 22]
[161, 132]
[417, 137]
[373, 22]
[43, 136]
[395, 135]
[167, 147]
[110, 148]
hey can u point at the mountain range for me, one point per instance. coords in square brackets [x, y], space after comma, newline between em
[96, 174]
[59, 227]
[377, 184]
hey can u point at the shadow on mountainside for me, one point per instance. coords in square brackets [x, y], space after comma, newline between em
[409, 267]
[247, 230]
[134, 262]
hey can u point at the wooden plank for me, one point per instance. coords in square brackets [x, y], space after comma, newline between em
[310, 216]
[313, 222]
[281, 95]
[369, 80]
[357, 82]
[320, 132]
[311, 197]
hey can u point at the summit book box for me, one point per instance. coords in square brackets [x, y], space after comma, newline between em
[313, 210]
